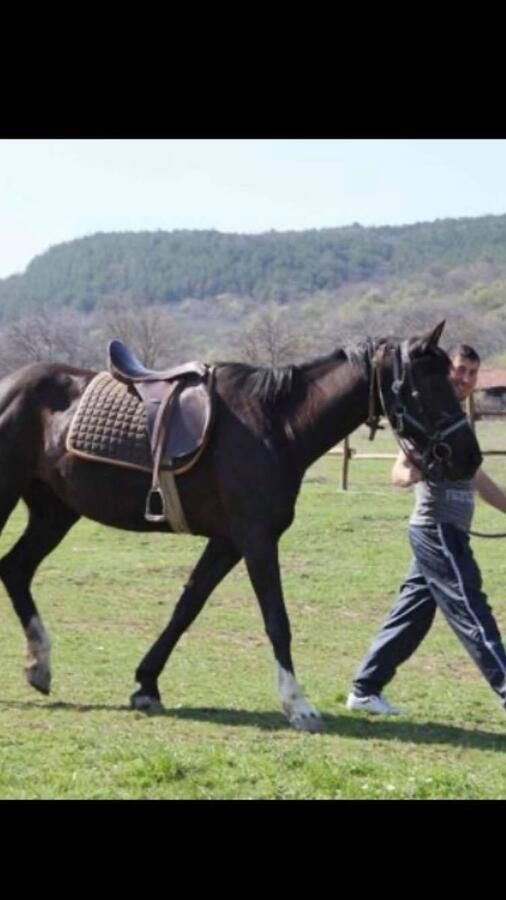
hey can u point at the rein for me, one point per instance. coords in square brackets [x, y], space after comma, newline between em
[373, 416]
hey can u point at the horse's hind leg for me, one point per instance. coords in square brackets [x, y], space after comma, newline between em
[217, 560]
[49, 521]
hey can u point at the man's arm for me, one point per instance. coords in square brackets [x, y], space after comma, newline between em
[405, 473]
[489, 491]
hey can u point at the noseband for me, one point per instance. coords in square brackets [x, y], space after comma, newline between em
[437, 452]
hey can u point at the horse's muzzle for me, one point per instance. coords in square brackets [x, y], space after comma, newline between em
[465, 470]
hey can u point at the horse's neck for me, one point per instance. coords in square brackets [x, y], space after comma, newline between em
[336, 403]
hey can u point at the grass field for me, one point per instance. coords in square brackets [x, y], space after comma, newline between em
[105, 595]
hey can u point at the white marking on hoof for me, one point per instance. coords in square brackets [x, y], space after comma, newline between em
[37, 656]
[301, 714]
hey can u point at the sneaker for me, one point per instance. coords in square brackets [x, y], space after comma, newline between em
[374, 703]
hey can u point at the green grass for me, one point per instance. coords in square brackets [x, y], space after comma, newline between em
[105, 596]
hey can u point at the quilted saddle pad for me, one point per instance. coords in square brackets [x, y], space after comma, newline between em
[110, 425]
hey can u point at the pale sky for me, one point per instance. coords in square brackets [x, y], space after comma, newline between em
[58, 190]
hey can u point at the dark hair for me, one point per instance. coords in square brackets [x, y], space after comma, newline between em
[465, 351]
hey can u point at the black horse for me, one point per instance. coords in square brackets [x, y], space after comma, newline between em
[270, 425]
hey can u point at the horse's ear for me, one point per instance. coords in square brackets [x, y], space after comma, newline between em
[431, 339]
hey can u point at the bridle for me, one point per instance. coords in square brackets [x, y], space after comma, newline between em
[393, 401]
[397, 415]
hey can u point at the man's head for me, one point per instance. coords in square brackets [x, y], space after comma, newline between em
[465, 364]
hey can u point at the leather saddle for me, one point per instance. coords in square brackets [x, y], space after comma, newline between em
[178, 403]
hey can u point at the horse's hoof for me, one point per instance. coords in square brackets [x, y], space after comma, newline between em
[146, 704]
[39, 678]
[313, 724]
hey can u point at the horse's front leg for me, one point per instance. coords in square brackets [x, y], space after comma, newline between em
[261, 557]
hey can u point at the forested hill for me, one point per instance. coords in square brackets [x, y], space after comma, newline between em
[166, 267]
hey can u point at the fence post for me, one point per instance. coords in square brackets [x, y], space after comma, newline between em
[471, 410]
[346, 459]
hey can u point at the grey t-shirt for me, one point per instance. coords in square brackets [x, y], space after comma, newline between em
[446, 501]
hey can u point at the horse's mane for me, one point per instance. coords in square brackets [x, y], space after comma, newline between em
[273, 386]
[339, 355]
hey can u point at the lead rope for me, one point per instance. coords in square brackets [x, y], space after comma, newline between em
[373, 417]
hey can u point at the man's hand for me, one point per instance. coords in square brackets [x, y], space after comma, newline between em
[405, 472]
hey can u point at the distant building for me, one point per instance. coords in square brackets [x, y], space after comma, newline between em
[490, 393]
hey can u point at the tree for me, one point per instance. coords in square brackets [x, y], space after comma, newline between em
[269, 338]
[151, 331]
[44, 337]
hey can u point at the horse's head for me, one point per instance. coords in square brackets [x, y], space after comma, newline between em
[423, 409]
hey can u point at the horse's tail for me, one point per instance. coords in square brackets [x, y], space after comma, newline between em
[18, 444]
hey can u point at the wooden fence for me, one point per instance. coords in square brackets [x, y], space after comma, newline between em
[348, 453]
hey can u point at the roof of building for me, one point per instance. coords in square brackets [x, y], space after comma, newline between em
[491, 377]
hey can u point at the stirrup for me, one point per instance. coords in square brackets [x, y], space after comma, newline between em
[151, 516]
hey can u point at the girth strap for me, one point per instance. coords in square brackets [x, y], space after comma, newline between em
[158, 397]
[171, 504]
